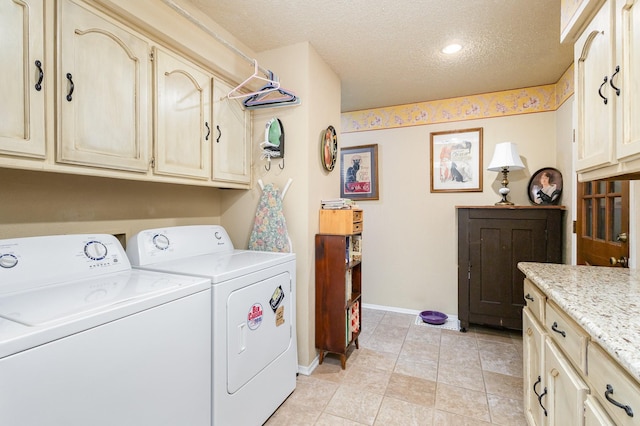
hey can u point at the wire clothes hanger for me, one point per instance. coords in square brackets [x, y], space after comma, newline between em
[272, 84]
[271, 96]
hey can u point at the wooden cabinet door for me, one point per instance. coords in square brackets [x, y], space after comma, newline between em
[533, 336]
[231, 137]
[495, 246]
[595, 98]
[102, 92]
[628, 59]
[21, 85]
[182, 117]
[566, 391]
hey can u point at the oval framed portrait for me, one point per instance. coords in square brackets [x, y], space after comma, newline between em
[329, 148]
[545, 187]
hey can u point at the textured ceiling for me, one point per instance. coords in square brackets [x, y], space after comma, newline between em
[387, 52]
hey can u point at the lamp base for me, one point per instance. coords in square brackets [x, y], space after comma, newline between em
[504, 202]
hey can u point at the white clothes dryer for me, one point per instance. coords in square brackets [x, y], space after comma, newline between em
[87, 340]
[254, 348]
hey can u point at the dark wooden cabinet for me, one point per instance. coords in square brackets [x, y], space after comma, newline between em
[338, 293]
[491, 242]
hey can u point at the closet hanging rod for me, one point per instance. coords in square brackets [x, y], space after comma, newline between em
[206, 29]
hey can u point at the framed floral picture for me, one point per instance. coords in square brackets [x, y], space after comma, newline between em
[456, 161]
[359, 172]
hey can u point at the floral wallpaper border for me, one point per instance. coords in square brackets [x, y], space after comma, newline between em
[488, 105]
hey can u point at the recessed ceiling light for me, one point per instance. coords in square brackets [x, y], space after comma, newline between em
[452, 48]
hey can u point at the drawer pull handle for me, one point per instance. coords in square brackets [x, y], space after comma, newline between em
[554, 327]
[528, 297]
[40, 76]
[71, 87]
[605, 100]
[626, 408]
[611, 81]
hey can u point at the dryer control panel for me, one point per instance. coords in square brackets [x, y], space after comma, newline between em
[177, 242]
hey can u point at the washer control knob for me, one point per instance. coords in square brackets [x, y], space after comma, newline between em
[95, 250]
[161, 241]
[8, 261]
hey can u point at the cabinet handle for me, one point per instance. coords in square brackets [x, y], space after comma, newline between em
[206, 138]
[554, 327]
[40, 76]
[600, 89]
[626, 408]
[611, 80]
[70, 78]
[219, 134]
[540, 398]
[528, 297]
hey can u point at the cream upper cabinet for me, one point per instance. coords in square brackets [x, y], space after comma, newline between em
[607, 60]
[103, 92]
[627, 80]
[182, 117]
[231, 137]
[593, 59]
[22, 103]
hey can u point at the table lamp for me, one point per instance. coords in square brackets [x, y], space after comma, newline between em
[505, 158]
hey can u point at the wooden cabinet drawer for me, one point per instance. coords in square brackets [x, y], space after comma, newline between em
[534, 299]
[341, 222]
[594, 414]
[567, 334]
[604, 373]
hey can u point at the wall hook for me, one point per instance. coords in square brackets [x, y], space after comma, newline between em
[268, 166]
[281, 166]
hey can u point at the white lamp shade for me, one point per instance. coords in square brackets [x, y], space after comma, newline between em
[505, 155]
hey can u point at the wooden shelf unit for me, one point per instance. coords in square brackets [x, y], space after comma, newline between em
[338, 294]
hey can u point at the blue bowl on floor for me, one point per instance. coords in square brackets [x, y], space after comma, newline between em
[433, 317]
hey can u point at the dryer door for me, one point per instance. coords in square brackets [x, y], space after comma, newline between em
[259, 327]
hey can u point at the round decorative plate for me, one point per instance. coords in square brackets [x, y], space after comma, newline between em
[545, 187]
[329, 148]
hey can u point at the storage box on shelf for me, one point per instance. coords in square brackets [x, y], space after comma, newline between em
[342, 221]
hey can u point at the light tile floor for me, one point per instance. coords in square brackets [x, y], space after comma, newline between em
[407, 374]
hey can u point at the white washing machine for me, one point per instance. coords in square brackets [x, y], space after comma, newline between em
[254, 350]
[87, 340]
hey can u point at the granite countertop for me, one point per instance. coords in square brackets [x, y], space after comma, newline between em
[604, 301]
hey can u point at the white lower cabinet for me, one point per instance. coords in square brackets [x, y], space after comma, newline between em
[566, 391]
[594, 415]
[533, 361]
[569, 379]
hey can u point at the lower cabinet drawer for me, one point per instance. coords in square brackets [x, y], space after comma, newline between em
[594, 414]
[568, 335]
[617, 392]
[534, 299]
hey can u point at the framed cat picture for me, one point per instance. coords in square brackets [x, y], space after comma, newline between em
[359, 172]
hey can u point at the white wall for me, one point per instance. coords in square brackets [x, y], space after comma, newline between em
[410, 234]
[301, 70]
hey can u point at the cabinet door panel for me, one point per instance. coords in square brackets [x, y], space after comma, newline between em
[566, 391]
[628, 58]
[533, 337]
[183, 117]
[21, 104]
[593, 62]
[231, 137]
[103, 86]
[495, 247]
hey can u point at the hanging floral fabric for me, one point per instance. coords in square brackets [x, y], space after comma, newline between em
[270, 227]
